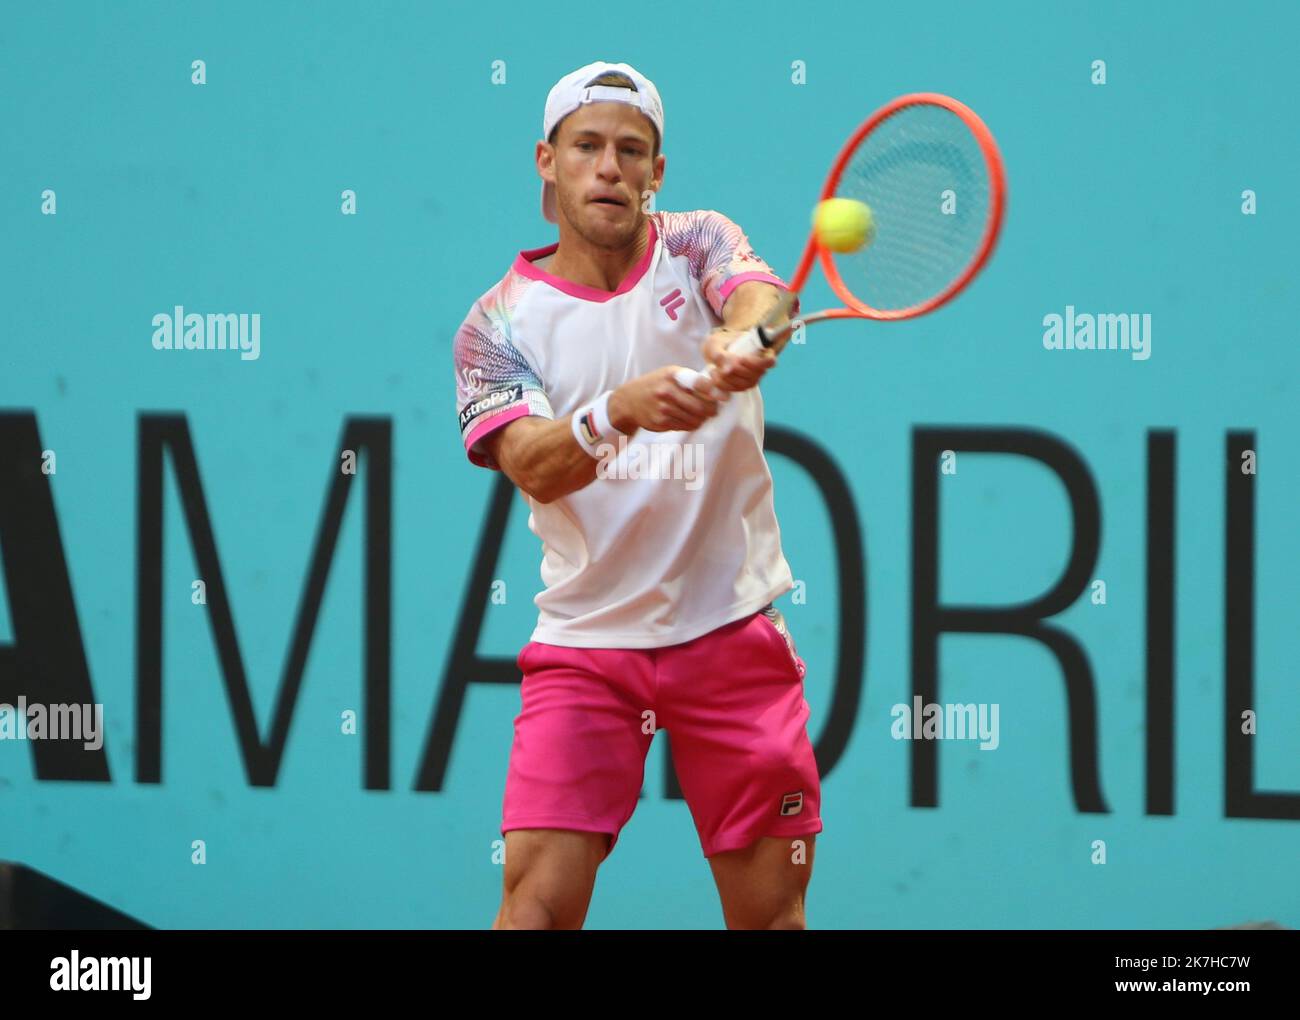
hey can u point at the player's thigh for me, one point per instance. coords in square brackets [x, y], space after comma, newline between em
[739, 736]
[764, 884]
[549, 876]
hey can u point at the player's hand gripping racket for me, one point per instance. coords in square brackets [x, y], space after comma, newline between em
[930, 172]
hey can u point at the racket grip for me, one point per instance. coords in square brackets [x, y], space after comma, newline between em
[750, 343]
[687, 377]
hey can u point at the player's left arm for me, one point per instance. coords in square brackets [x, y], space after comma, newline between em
[740, 288]
[745, 308]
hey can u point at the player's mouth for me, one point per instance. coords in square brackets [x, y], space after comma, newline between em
[608, 200]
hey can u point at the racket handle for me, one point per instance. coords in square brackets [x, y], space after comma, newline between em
[687, 377]
[749, 343]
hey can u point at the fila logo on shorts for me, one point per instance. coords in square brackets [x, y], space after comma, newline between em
[792, 803]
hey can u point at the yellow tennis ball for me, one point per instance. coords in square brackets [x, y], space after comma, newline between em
[843, 224]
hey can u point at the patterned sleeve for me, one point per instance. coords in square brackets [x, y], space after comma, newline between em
[723, 259]
[495, 384]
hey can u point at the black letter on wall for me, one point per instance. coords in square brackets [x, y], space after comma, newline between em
[262, 760]
[930, 619]
[464, 664]
[46, 664]
[1241, 799]
[1161, 478]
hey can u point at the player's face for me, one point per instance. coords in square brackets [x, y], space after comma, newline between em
[604, 165]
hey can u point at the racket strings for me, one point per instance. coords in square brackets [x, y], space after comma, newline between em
[924, 176]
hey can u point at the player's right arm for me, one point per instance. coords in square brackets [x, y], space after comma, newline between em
[507, 423]
[545, 459]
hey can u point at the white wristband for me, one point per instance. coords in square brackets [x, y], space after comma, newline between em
[591, 425]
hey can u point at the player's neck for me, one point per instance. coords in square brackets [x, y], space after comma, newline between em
[581, 262]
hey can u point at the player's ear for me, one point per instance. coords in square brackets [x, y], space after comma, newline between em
[545, 156]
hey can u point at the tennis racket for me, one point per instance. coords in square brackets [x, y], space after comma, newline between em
[930, 171]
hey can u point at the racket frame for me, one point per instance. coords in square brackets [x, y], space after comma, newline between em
[769, 335]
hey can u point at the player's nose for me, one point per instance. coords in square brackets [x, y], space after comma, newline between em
[608, 166]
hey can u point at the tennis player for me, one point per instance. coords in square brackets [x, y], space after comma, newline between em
[661, 550]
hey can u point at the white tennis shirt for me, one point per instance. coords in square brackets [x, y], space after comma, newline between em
[680, 536]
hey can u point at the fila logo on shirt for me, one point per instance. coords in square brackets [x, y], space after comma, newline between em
[792, 803]
[673, 302]
[497, 398]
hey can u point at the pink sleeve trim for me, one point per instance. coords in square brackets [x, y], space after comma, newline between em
[481, 431]
[740, 278]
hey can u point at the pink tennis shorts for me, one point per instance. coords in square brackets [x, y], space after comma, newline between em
[732, 701]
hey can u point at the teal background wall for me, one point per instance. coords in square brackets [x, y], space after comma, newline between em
[225, 197]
